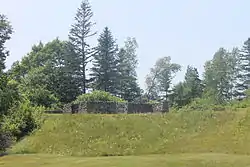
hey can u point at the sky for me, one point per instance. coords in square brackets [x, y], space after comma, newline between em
[189, 31]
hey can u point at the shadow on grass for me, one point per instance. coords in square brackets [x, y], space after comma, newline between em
[3, 154]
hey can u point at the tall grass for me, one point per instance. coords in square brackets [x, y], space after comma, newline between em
[117, 135]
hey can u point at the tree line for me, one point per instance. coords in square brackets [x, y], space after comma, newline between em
[58, 72]
[64, 71]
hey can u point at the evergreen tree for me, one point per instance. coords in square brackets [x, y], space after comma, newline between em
[104, 71]
[233, 71]
[69, 81]
[193, 83]
[180, 95]
[5, 32]
[244, 70]
[184, 92]
[128, 87]
[79, 34]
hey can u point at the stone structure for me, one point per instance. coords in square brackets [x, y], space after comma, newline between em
[113, 108]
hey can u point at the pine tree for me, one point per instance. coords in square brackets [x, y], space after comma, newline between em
[193, 83]
[5, 32]
[233, 62]
[244, 69]
[104, 71]
[127, 63]
[70, 84]
[79, 34]
[180, 95]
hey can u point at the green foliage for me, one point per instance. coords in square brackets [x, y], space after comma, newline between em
[41, 97]
[46, 73]
[5, 32]
[104, 71]
[220, 75]
[79, 34]
[180, 96]
[244, 69]
[203, 104]
[35, 88]
[185, 92]
[193, 83]
[128, 87]
[9, 94]
[236, 104]
[96, 96]
[22, 119]
[8, 91]
[160, 77]
[244, 103]
[206, 103]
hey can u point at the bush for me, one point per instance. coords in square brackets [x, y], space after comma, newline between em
[5, 141]
[22, 120]
[97, 96]
[245, 103]
[203, 104]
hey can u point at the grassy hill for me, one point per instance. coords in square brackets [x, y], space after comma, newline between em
[117, 135]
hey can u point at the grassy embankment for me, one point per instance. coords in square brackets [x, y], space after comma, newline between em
[176, 139]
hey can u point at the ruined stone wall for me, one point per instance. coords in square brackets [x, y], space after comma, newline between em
[113, 108]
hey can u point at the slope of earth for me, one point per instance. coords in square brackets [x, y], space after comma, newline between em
[119, 135]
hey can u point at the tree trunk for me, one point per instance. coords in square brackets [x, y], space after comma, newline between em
[165, 103]
[84, 80]
[165, 106]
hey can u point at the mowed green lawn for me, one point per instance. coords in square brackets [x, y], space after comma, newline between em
[178, 160]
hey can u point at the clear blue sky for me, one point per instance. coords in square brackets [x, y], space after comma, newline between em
[189, 31]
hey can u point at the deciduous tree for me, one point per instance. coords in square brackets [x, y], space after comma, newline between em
[5, 34]
[219, 76]
[160, 77]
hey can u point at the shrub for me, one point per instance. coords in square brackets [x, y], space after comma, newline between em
[97, 96]
[245, 103]
[198, 104]
[22, 120]
[203, 104]
[5, 141]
